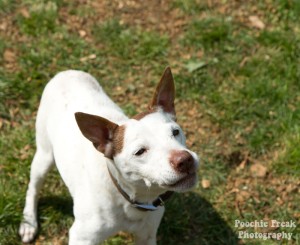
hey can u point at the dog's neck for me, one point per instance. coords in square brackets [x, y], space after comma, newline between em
[139, 198]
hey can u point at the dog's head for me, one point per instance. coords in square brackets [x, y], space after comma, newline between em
[150, 148]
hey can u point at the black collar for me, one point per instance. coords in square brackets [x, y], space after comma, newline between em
[142, 206]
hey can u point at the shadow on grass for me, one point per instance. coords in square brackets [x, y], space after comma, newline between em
[55, 216]
[58, 204]
[191, 220]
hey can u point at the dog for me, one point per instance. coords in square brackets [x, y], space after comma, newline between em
[119, 170]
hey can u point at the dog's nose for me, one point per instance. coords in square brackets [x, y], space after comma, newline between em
[182, 161]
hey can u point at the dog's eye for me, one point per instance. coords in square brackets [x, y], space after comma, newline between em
[175, 132]
[140, 152]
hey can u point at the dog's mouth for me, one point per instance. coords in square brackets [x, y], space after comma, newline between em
[185, 183]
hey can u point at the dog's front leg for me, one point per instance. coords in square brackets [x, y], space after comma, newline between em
[41, 164]
[147, 234]
[145, 240]
[90, 231]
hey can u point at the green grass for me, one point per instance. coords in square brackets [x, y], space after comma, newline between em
[130, 45]
[208, 33]
[42, 19]
[242, 81]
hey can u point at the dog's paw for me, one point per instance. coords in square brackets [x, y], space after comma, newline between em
[27, 232]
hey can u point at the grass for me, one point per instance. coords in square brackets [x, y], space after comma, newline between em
[116, 38]
[238, 101]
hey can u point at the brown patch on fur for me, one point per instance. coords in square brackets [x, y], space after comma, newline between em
[146, 113]
[118, 139]
[143, 114]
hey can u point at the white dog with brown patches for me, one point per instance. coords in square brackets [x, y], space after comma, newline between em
[121, 180]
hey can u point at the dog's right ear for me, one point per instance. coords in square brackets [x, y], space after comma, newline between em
[98, 130]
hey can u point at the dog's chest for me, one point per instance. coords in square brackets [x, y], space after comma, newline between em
[135, 220]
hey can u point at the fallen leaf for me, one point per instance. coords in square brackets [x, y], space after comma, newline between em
[205, 183]
[89, 57]
[9, 56]
[242, 196]
[279, 201]
[26, 147]
[3, 26]
[82, 33]
[291, 188]
[24, 12]
[238, 209]
[195, 65]
[258, 170]
[256, 22]
[186, 56]
[244, 61]
[242, 165]
[297, 215]
[24, 153]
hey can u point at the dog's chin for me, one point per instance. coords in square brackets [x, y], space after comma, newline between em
[184, 184]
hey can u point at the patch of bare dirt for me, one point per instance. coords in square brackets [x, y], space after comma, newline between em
[199, 130]
[157, 15]
[254, 185]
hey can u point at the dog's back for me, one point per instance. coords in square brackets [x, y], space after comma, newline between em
[72, 91]
[56, 129]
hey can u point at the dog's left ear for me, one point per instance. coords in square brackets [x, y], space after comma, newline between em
[164, 94]
[98, 130]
